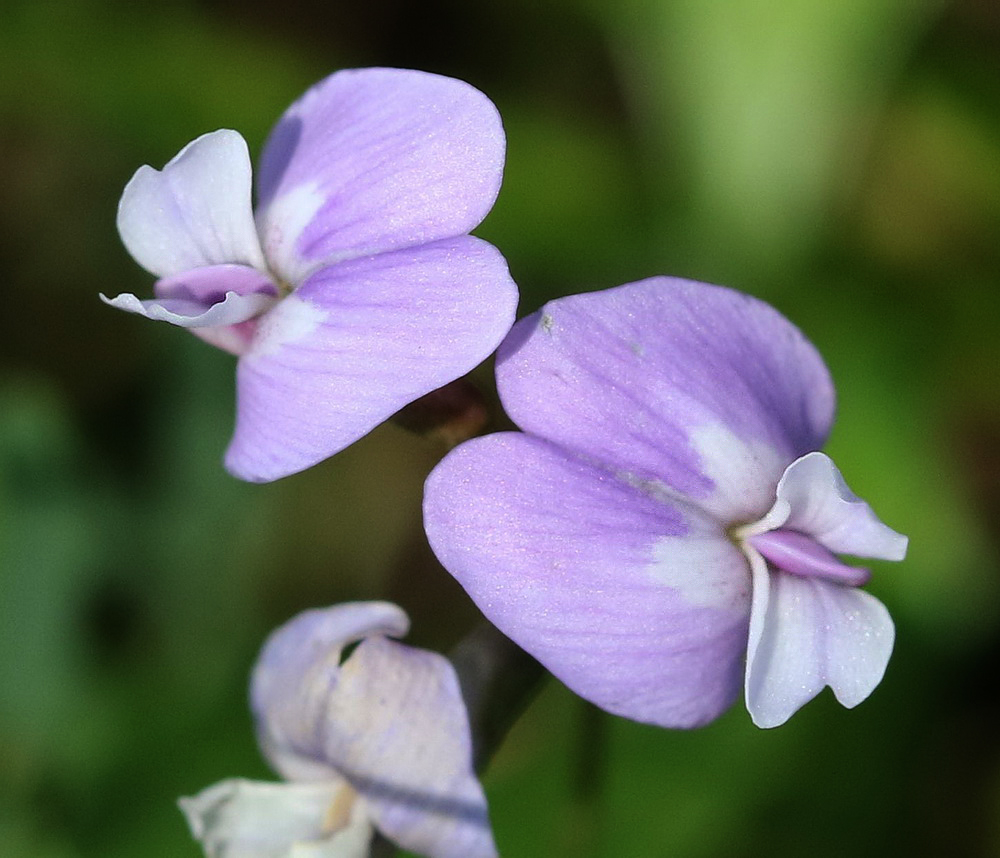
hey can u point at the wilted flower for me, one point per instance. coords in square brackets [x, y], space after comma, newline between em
[663, 534]
[354, 288]
[380, 741]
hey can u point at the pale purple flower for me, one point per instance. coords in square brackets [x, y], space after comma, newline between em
[664, 532]
[354, 288]
[378, 742]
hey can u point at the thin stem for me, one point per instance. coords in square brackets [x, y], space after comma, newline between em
[498, 680]
[588, 781]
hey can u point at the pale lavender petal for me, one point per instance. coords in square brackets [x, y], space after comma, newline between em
[806, 633]
[195, 211]
[821, 505]
[358, 341]
[637, 602]
[370, 160]
[705, 390]
[297, 670]
[192, 313]
[251, 819]
[397, 729]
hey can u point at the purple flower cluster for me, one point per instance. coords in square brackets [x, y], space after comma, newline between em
[662, 535]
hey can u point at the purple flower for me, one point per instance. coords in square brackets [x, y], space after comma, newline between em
[354, 288]
[380, 741]
[665, 532]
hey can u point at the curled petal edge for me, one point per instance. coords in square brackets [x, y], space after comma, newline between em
[822, 505]
[298, 668]
[188, 313]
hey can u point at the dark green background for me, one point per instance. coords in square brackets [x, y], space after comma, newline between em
[841, 160]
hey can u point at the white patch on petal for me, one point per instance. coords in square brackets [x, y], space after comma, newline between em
[291, 321]
[776, 516]
[745, 473]
[699, 565]
[281, 225]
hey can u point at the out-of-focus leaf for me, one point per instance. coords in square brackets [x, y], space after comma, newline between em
[757, 112]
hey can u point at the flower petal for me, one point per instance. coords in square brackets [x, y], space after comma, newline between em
[210, 283]
[370, 160]
[251, 819]
[195, 211]
[806, 633]
[701, 388]
[397, 729]
[822, 506]
[637, 602]
[798, 554]
[298, 668]
[185, 299]
[192, 313]
[358, 341]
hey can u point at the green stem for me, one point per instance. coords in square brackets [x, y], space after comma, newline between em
[499, 680]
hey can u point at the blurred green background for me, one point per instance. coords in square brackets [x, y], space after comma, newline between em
[840, 160]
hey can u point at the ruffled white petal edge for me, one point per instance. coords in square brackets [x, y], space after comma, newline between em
[196, 211]
[821, 504]
[187, 313]
[250, 819]
[806, 633]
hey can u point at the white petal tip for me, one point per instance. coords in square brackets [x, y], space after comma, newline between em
[124, 301]
[768, 721]
[896, 547]
[196, 211]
